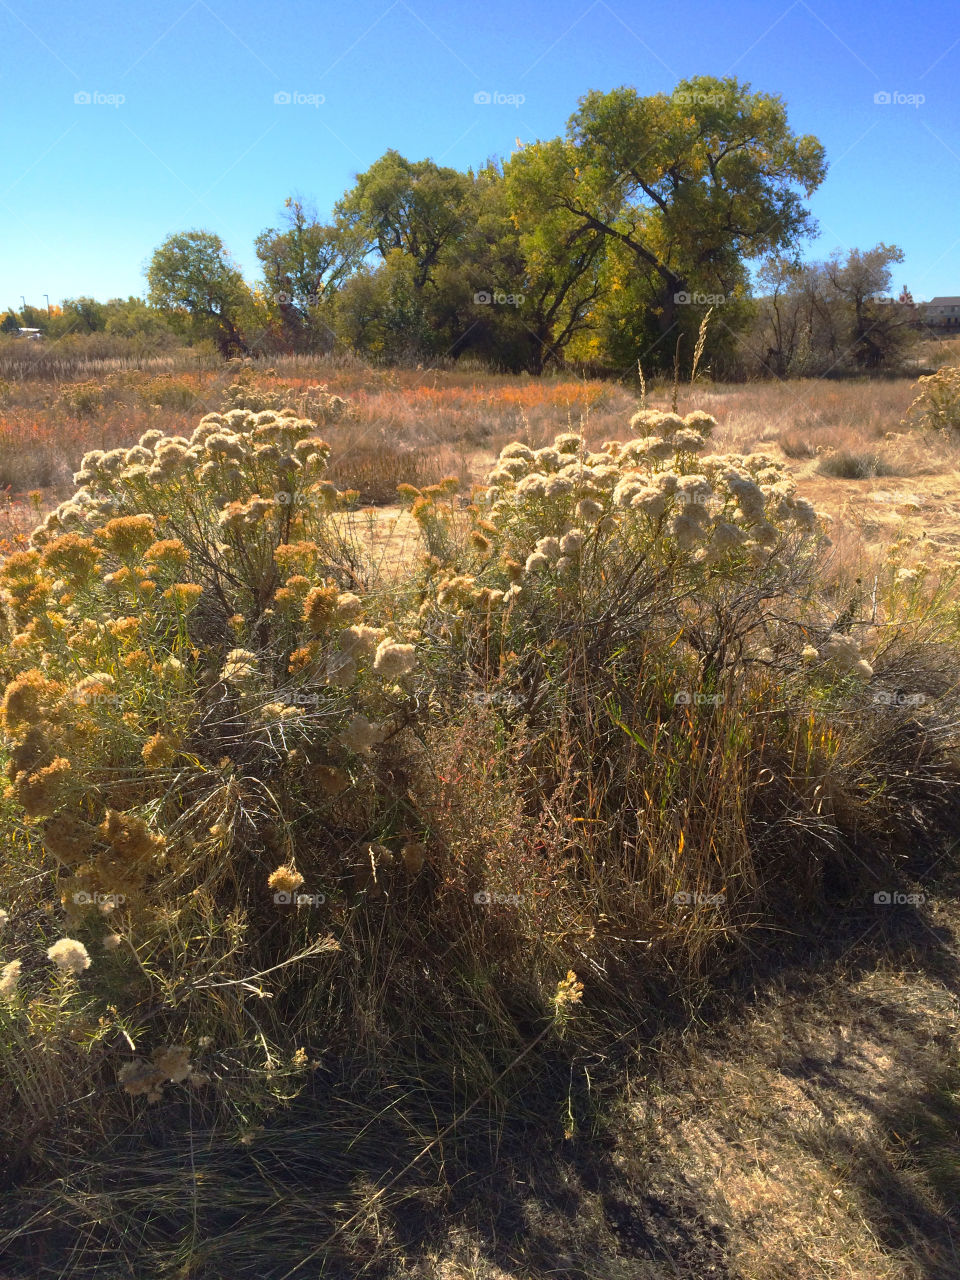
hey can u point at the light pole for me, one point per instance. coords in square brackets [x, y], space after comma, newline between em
[47, 296]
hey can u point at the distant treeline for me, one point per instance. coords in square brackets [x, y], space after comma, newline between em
[599, 248]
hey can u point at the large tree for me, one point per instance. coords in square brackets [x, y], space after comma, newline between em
[304, 264]
[692, 185]
[195, 283]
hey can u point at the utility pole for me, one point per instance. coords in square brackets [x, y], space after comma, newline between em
[47, 296]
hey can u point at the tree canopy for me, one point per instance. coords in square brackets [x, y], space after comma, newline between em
[194, 281]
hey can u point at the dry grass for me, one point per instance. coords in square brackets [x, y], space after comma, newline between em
[800, 1124]
[403, 425]
[424, 422]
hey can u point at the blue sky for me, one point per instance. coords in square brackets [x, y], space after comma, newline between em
[89, 188]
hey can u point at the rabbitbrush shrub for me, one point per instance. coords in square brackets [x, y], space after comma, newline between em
[936, 406]
[270, 807]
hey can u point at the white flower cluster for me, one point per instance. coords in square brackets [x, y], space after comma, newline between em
[240, 666]
[709, 505]
[843, 653]
[393, 660]
[276, 450]
[315, 401]
[361, 735]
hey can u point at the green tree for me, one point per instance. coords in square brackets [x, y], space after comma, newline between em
[304, 264]
[877, 327]
[199, 290]
[417, 207]
[359, 310]
[9, 323]
[475, 302]
[381, 312]
[83, 315]
[562, 260]
[134, 318]
[465, 268]
[693, 185]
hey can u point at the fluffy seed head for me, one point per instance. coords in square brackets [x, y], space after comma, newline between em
[69, 955]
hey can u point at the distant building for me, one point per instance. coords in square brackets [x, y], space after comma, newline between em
[941, 313]
[34, 335]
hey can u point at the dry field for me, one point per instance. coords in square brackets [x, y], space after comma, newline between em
[843, 440]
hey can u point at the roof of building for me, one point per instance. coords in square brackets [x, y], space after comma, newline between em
[943, 302]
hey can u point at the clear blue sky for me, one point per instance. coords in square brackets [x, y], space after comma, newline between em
[88, 189]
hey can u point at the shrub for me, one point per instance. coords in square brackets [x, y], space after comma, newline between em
[795, 446]
[292, 808]
[313, 401]
[83, 400]
[845, 464]
[168, 393]
[937, 404]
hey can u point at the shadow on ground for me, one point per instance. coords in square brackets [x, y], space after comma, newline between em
[824, 1070]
